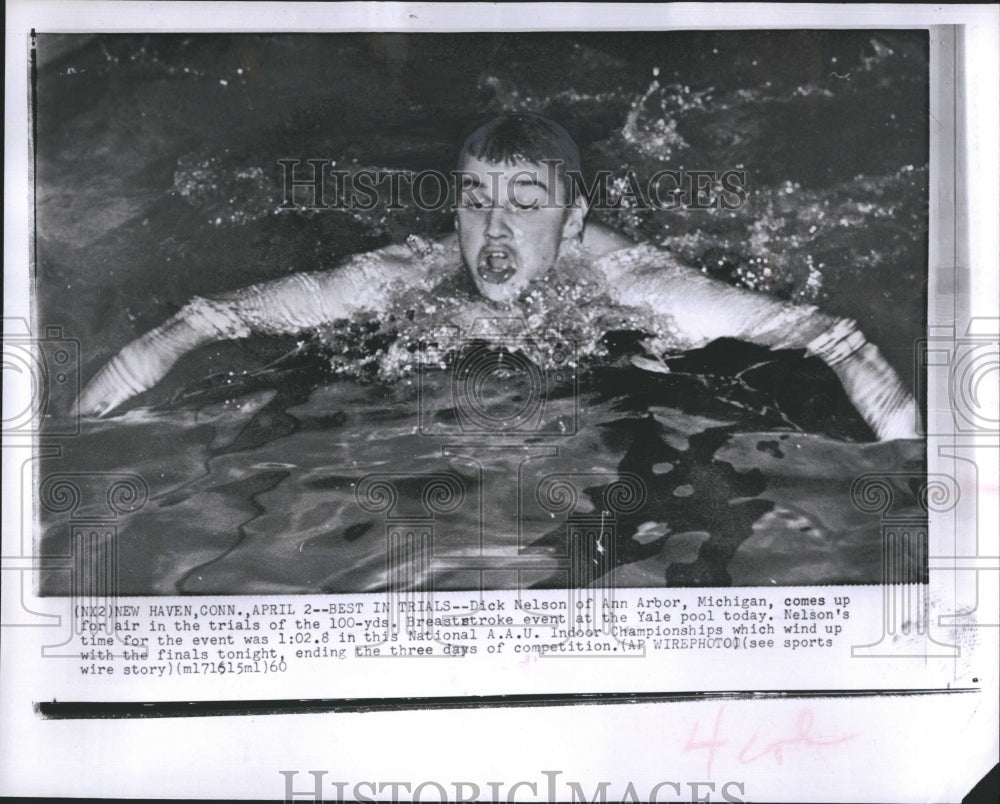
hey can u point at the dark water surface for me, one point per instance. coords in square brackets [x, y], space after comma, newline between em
[158, 179]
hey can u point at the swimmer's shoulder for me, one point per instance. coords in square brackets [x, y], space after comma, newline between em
[619, 254]
[637, 270]
[448, 241]
[599, 240]
[411, 258]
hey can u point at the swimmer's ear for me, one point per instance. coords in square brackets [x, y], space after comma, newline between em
[573, 225]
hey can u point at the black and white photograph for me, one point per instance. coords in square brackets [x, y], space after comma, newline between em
[500, 402]
[661, 288]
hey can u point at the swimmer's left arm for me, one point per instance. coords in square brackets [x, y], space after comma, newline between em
[285, 306]
[704, 309]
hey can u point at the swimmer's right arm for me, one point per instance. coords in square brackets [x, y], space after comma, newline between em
[703, 309]
[285, 306]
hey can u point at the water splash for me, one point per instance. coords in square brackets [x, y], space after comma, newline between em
[569, 308]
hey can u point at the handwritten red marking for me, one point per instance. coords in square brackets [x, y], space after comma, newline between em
[803, 736]
[713, 745]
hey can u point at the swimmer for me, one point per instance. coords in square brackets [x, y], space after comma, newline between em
[518, 216]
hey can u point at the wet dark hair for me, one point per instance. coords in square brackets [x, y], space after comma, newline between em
[524, 137]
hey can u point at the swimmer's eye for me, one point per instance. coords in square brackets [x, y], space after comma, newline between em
[517, 206]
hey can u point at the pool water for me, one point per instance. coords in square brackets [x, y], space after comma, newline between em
[158, 179]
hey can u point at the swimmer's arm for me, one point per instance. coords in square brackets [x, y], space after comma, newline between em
[704, 309]
[286, 306]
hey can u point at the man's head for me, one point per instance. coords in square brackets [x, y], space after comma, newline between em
[516, 202]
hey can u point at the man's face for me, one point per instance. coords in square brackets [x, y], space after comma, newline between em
[511, 221]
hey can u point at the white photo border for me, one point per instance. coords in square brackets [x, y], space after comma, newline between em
[937, 742]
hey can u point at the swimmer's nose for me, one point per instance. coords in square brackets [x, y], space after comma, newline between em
[496, 224]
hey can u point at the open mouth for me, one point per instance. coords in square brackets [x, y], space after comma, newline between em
[496, 264]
